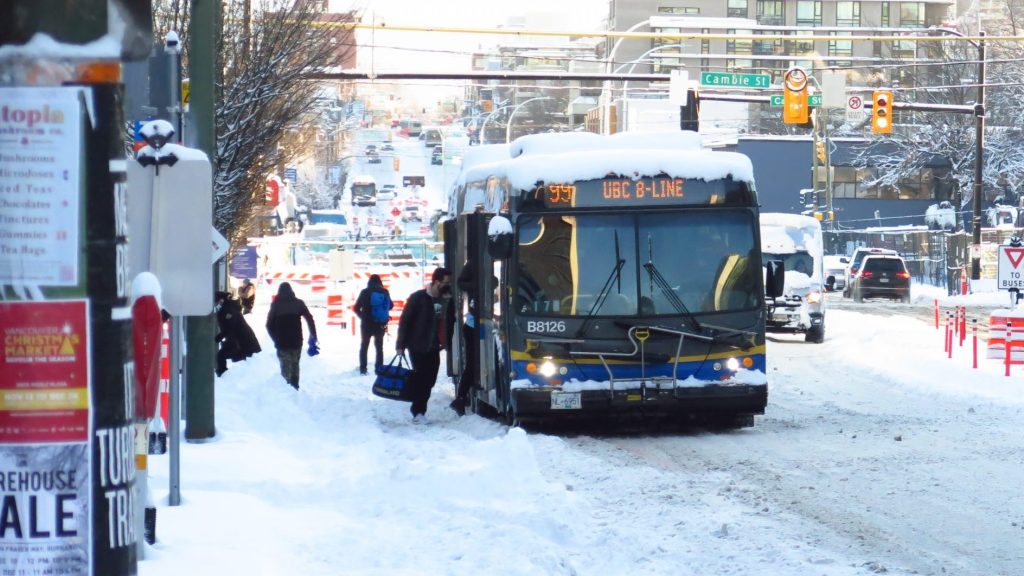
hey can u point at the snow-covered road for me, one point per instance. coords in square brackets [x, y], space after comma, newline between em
[877, 454]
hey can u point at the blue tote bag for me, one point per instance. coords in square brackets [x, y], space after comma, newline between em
[392, 380]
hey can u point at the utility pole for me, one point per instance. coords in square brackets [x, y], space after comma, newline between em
[979, 153]
[200, 330]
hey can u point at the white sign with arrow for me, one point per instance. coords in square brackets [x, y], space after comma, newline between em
[855, 111]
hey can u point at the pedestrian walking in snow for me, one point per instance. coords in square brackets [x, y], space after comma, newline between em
[284, 325]
[424, 330]
[373, 306]
[237, 340]
[247, 295]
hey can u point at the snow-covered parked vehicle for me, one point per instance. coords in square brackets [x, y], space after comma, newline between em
[796, 241]
[940, 216]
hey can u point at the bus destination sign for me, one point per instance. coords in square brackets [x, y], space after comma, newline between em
[608, 192]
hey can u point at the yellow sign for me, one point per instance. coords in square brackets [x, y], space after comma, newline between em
[185, 91]
[487, 105]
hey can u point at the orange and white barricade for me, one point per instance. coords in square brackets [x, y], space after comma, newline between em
[312, 287]
[336, 310]
[997, 335]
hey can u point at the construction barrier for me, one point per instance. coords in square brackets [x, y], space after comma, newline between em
[1006, 332]
[336, 310]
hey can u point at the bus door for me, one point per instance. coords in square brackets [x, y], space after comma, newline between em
[453, 257]
[477, 282]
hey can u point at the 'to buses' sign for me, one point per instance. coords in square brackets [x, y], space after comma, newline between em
[1011, 268]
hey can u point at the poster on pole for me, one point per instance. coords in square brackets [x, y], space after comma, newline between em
[40, 180]
[45, 461]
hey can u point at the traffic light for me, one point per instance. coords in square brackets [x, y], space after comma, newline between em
[881, 112]
[819, 151]
[794, 97]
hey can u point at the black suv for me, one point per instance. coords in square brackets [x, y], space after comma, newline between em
[881, 276]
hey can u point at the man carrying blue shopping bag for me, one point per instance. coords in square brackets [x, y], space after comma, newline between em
[424, 330]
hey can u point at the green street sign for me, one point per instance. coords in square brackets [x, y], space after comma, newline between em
[727, 80]
[775, 100]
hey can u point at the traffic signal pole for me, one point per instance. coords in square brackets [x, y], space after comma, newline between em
[979, 152]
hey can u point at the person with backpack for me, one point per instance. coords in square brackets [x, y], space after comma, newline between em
[373, 306]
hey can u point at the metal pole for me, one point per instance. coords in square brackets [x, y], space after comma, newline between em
[979, 152]
[508, 125]
[174, 413]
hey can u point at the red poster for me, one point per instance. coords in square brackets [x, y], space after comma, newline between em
[44, 372]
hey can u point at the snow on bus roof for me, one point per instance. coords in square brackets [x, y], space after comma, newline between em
[578, 141]
[571, 157]
[524, 172]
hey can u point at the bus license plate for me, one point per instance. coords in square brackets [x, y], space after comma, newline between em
[566, 401]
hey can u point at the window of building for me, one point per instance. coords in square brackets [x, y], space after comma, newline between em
[737, 9]
[664, 40]
[928, 184]
[886, 16]
[847, 13]
[903, 49]
[768, 47]
[912, 14]
[840, 47]
[802, 46]
[771, 12]
[741, 66]
[677, 10]
[739, 46]
[808, 13]
[705, 44]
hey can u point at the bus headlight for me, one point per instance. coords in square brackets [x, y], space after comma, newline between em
[732, 364]
[814, 297]
[548, 369]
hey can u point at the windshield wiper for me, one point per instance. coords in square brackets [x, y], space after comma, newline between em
[671, 296]
[616, 275]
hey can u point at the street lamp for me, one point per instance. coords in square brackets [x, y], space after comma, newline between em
[979, 152]
[508, 125]
[606, 89]
[483, 126]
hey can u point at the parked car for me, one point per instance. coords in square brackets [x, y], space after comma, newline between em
[387, 147]
[855, 261]
[386, 192]
[881, 276]
[835, 268]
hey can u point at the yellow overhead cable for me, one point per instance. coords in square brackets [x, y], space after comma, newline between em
[671, 35]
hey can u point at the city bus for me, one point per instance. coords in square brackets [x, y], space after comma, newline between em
[609, 276]
[410, 127]
[364, 191]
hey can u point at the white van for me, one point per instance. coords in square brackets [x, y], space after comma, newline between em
[796, 241]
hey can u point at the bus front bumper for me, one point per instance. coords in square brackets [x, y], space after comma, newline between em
[699, 401]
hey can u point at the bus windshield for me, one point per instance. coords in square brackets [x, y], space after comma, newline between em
[364, 190]
[639, 264]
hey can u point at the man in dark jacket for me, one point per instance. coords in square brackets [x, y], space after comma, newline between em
[285, 329]
[423, 330]
[374, 296]
[237, 340]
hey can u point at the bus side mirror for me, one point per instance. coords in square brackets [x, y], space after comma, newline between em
[775, 279]
[499, 238]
